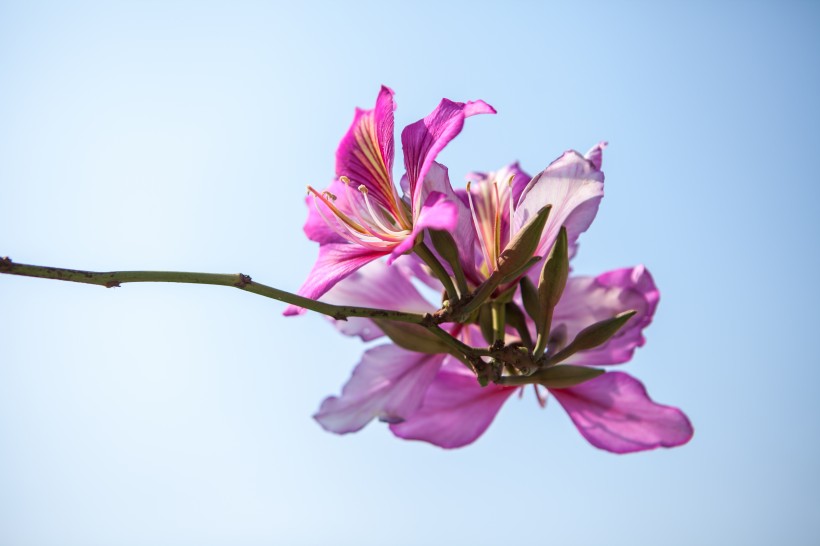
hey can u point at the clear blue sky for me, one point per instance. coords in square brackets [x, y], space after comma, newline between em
[153, 135]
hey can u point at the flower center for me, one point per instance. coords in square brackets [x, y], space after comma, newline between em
[360, 219]
[491, 208]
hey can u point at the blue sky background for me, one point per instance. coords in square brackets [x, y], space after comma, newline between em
[181, 136]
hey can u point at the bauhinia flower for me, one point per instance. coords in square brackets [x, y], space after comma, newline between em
[437, 399]
[360, 216]
[503, 324]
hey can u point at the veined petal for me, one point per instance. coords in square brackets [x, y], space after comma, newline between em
[335, 262]
[388, 383]
[613, 412]
[424, 139]
[365, 154]
[380, 286]
[438, 212]
[574, 186]
[455, 411]
[587, 300]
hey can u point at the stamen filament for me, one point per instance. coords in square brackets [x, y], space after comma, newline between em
[484, 249]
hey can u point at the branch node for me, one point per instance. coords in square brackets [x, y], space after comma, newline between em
[5, 263]
[112, 284]
[244, 280]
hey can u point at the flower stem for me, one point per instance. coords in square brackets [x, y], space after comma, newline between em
[441, 274]
[243, 282]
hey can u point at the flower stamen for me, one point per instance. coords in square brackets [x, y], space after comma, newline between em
[479, 231]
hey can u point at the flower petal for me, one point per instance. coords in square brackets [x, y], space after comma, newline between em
[380, 286]
[613, 412]
[365, 153]
[424, 139]
[335, 262]
[388, 383]
[587, 300]
[438, 212]
[438, 180]
[455, 411]
[316, 227]
[574, 186]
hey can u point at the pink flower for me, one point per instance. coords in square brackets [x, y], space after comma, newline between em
[360, 216]
[435, 398]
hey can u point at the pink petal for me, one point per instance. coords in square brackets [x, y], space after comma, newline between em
[365, 154]
[437, 213]
[316, 227]
[455, 411]
[388, 383]
[375, 285]
[335, 262]
[423, 140]
[613, 412]
[587, 300]
[574, 186]
[438, 180]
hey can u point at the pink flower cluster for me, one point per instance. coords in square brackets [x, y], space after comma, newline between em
[504, 226]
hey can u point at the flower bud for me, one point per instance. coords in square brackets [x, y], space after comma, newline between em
[593, 336]
[550, 288]
[520, 249]
[413, 337]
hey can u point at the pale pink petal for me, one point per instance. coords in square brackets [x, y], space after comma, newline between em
[423, 140]
[596, 154]
[613, 412]
[413, 267]
[574, 186]
[587, 300]
[438, 212]
[380, 286]
[455, 411]
[365, 153]
[388, 383]
[335, 262]
[520, 179]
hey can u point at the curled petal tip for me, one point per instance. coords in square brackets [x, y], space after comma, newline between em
[472, 108]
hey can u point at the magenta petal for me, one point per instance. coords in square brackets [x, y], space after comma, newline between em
[365, 154]
[388, 383]
[335, 262]
[574, 186]
[455, 411]
[613, 412]
[424, 139]
[587, 300]
[438, 212]
[380, 286]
